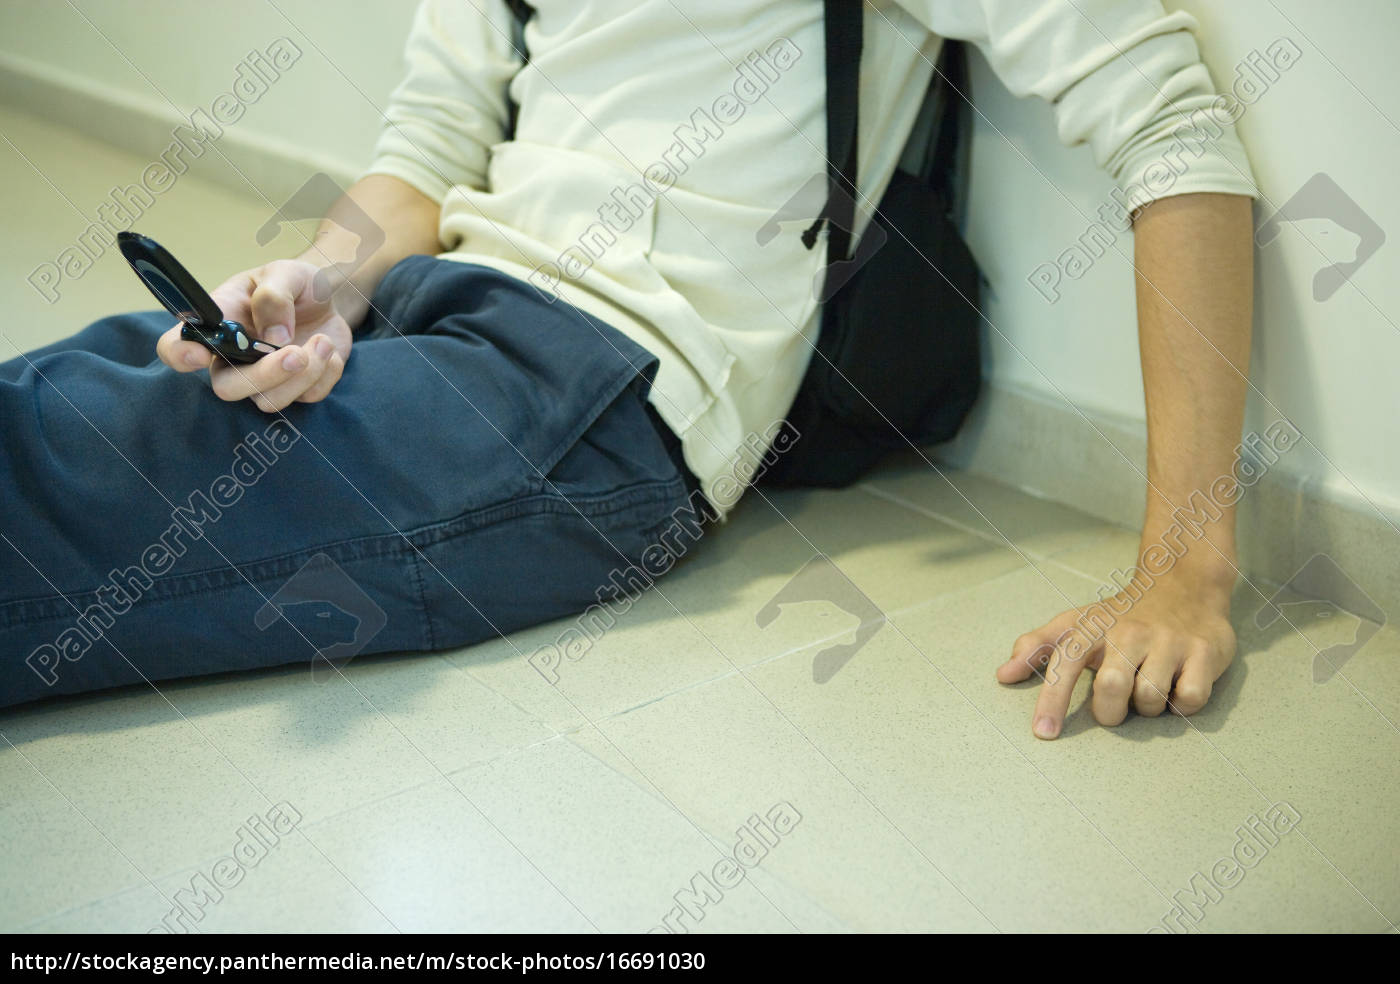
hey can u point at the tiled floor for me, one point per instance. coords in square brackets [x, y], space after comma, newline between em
[462, 791]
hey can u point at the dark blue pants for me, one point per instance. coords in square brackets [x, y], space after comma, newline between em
[490, 464]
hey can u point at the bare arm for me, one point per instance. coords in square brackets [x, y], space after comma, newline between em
[1195, 297]
[1167, 641]
[408, 220]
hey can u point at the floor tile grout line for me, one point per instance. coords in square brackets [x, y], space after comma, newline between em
[654, 793]
[715, 840]
[1107, 530]
[446, 657]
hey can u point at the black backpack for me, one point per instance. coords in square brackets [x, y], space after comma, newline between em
[897, 360]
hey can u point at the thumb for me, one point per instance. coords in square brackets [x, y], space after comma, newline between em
[180, 355]
[1032, 651]
[273, 303]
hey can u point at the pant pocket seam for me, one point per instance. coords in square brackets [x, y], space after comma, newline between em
[430, 637]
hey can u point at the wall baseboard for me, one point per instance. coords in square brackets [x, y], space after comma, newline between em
[1046, 448]
[238, 159]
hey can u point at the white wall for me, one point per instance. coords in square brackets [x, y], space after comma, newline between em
[1329, 366]
[189, 51]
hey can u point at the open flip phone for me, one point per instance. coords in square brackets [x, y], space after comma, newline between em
[181, 295]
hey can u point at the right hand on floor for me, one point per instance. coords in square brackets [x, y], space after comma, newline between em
[276, 303]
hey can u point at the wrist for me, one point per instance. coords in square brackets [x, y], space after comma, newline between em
[1205, 565]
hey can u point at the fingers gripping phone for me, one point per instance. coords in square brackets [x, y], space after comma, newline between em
[180, 294]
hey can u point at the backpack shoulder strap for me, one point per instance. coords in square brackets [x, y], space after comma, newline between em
[520, 13]
[844, 26]
[947, 157]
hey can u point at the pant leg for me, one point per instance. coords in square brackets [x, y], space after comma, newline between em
[127, 339]
[487, 469]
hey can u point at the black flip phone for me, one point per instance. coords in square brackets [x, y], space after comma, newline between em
[181, 295]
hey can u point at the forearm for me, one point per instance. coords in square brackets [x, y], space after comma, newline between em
[1194, 258]
[408, 220]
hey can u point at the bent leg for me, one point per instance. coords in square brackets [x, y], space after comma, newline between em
[127, 339]
[488, 468]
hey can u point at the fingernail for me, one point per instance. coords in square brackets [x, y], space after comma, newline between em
[1045, 727]
[294, 362]
[193, 359]
[279, 335]
[323, 349]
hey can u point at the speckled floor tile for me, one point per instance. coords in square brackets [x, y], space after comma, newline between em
[290, 884]
[616, 851]
[725, 751]
[1035, 526]
[109, 791]
[431, 861]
